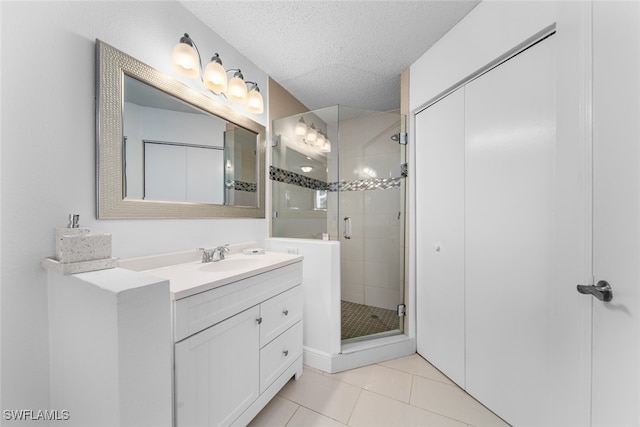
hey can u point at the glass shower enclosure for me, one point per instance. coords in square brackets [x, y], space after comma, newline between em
[339, 173]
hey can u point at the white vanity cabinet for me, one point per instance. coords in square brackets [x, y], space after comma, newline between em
[236, 346]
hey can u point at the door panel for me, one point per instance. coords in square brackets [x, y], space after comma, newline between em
[616, 139]
[440, 235]
[510, 146]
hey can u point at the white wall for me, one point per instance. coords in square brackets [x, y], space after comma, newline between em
[487, 32]
[48, 158]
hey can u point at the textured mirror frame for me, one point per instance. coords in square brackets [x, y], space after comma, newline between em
[111, 67]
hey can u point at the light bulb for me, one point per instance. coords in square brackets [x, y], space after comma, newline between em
[312, 134]
[255, 104]
[320, 140]
[301, 128]
[215, 77]
[326, 148]
[237, 89]
[185, 59]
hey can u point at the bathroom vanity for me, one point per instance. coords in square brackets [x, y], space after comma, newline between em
[237, 335]
[234, 337]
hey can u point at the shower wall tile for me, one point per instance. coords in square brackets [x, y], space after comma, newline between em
[380, 251]
[352, 250]
[353, 292]
[382, 297]
[376, 274]
[387, 201]
[380, 226]
[350, 202]
[352, 272]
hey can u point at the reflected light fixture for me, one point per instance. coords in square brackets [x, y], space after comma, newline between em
[301, 127]
[306, 169]
[312, 134]
[187, 62]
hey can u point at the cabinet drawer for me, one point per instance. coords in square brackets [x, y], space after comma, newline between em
[279, 314]
[279, 354]
[198, 312]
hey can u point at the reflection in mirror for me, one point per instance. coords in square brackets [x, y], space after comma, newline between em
[176, 152]
[168, 151]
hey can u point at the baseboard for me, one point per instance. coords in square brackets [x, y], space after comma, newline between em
[356, 355]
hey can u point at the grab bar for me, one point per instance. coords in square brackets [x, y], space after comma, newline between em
[347, 227]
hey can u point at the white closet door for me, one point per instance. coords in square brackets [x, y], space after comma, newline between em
[509, 235]
[440, 235]
[165, 171]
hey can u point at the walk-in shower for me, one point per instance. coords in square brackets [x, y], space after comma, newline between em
[339, 174]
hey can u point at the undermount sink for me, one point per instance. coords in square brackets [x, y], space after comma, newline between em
[229, 265]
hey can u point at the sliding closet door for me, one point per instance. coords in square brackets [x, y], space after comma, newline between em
[509, 234]
[440, 235]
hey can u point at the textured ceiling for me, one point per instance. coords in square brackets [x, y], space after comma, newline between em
[333, 52]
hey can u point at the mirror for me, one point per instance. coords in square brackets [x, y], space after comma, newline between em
[165, 150]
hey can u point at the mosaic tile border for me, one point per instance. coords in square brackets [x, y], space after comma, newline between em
[365, 184]
[288, 177]
[250, 187]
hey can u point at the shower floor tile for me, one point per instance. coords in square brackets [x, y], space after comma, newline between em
[359, 320]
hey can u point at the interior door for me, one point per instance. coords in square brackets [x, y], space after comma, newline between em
[524, 245]
[440, 236]
[616, 138]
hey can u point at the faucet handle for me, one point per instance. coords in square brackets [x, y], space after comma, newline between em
[207, 254]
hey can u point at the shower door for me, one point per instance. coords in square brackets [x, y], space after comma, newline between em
[339, 173]
[370, 197]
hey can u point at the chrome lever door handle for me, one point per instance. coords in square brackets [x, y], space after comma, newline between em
[602, 290]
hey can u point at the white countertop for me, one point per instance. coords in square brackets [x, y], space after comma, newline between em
[193, 277]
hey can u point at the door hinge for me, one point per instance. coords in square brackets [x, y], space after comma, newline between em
[404, 170]
[401, 138]
[402, 310]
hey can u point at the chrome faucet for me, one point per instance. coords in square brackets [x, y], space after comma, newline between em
[213, 255]
[220, 250]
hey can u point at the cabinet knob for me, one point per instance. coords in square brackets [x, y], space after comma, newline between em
[259, 320]
[286, 353]
[285, 312]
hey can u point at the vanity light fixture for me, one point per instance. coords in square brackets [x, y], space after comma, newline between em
[187, 62]
[306, 169]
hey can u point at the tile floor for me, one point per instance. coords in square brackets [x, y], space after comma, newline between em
[359, 320]
[404, 392]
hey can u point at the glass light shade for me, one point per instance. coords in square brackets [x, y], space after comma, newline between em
[301, 128]
[215, 77]
[237, 90]
[185, 60]
[320, 140]
[255, 104]
[312, 134]
[326, 148]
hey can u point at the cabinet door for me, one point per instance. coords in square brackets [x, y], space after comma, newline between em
[217, 371]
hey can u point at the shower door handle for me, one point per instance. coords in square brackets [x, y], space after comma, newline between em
[347, 227]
